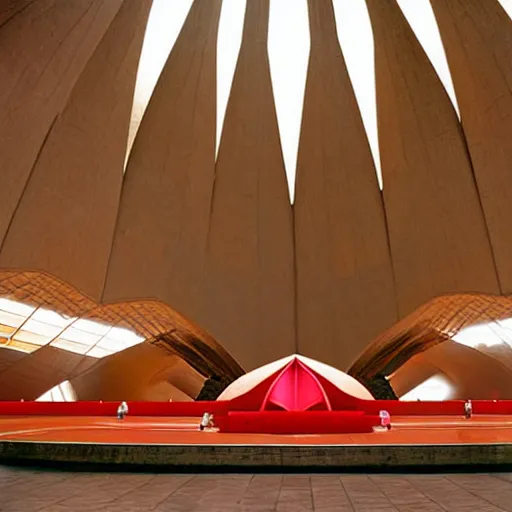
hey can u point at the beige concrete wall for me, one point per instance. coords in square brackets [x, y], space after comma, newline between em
[215, 240]
[438, 237]
[43, 50]
[248, 302]
[10, 8]
[64, 222]
[477, 36]
[9, 357]
[161, 234]
[345, 293]
[221, 255]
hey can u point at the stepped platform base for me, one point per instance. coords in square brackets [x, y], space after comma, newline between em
[413, 442]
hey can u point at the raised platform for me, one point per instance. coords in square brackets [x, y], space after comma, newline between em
[281, 457]
[414, 442]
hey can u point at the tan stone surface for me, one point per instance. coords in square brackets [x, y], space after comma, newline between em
[10, 8]
[56, 491]
[75, 184]
[161, 234]
[439, 241]
[43, 49]
[9, 357]
[226, 262]
[477, 37]
[345, 293]
[248, 302]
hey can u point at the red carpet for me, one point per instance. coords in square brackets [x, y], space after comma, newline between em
[167, 430]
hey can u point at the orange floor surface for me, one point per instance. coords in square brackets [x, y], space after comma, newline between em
[164, 430]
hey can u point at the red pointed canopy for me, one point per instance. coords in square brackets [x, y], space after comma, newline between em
[296, 388]
[295, 383]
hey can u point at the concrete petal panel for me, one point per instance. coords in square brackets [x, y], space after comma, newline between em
[43, 50]
[10, 8]
[477, 36]
[342, 253]
[438, 237]
[75, 184]
[161, 233]
[248, 304]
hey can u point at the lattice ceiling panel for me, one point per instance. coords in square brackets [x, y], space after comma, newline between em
[37, 310]
[440, 319]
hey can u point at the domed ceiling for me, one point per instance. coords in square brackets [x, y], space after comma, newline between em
[185, 204]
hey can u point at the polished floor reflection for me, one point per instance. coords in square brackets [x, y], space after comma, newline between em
[24, 490]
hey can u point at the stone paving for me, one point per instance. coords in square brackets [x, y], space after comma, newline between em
[24, 490]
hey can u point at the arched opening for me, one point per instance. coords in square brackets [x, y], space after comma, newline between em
[463, 340]
[51, 333]
[63, 392]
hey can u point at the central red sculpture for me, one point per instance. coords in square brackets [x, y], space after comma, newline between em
[295, 395]
[296, 388]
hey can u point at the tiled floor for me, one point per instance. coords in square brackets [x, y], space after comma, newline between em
[23, 490]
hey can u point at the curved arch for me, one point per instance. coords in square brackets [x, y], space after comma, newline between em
[465, 336]
[142, 372]
[413, 374]
[437, 321]
[473, 374]
[64, 335]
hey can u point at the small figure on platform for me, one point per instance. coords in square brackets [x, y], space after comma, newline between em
[122, 410]
[206, 421]
[468, 409]
[385, 419]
